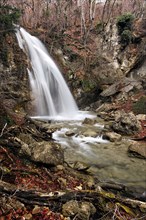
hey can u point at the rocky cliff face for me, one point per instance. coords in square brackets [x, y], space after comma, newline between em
[14, 89]
[107, 61]
[127, 61]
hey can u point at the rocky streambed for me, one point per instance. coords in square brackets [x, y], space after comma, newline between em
[78, 169]
[89, 145]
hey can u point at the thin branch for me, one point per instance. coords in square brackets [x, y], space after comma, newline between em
[3, 130]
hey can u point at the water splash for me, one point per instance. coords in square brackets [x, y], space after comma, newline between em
[52, 96]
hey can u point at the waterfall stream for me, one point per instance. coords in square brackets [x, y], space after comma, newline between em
[51, 94]
[81, 142]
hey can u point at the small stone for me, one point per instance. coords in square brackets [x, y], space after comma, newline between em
[89, 121]
[112, 136]
[79, 187]
[70, 133]
[141, 117]
[90, 133]
[28, 216]
[81, 166]
[70, 208]
[36, 210]
[87, 209]
[62, 181]
[90, 182]
[60, 167]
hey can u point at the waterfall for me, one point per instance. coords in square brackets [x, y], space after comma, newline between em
[52, 96]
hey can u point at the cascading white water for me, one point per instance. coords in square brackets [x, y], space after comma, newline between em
[50, 91]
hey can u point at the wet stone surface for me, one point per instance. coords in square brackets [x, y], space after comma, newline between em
[110, 161]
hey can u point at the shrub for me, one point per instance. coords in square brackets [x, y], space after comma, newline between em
[99, 27]
[88, 85]
[124, 22]
[8, 16]
[126, 37]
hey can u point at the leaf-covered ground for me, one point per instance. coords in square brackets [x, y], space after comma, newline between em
[37, 191]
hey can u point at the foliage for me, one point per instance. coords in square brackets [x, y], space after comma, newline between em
[124, 24]
[99, 27]
[126, 37]
[140, 106]
[8, 16]
[88, 85]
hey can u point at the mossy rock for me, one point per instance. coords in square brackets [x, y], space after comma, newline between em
[140, 106]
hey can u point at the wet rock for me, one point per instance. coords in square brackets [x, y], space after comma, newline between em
[138, 149]
[126, 123]
[89, 121]
[49, 153]
[70, 133]
[90, 133]
[82, 211]
[105, 115]
[112, 136]
[87, 209]
[70, 208]
[81, 166]
[103, 108]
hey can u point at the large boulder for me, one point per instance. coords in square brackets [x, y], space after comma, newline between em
[138, 149]
[47, 152]
[126, 123]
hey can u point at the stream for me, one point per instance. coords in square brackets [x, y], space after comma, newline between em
[108, 161]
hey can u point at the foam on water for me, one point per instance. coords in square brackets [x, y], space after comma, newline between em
[79, 116]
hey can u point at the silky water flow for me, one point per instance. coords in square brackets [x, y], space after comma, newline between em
[51, 94]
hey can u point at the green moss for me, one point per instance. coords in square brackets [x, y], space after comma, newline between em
[88, 85]
[140, 106]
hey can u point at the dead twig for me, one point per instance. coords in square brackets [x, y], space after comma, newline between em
[35, 197]
[3, 130]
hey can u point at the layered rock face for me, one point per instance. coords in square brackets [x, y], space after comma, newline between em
[14, 89]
